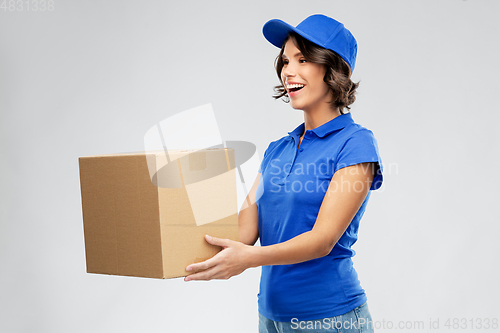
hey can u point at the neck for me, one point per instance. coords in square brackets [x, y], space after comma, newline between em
[319, 116]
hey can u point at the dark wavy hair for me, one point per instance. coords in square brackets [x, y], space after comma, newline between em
[337, 77]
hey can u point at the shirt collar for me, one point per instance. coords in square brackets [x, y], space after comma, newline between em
[335, 124]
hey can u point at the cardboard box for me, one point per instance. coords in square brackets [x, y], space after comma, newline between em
[145, 214]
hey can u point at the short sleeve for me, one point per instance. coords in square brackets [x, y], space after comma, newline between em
[264, 161]
[361, 147]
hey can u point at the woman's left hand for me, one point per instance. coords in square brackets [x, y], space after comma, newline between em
[231, 261]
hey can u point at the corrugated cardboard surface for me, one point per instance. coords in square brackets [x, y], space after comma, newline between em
[133, 226]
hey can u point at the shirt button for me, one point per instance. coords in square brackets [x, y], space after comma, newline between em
[301, 150]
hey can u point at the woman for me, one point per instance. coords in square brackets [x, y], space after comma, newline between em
[310, 194]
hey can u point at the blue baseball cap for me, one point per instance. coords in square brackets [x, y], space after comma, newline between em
[319, 29]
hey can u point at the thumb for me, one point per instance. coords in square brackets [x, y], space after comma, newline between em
[217, 241]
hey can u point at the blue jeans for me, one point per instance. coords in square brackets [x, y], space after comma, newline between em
[358, 320]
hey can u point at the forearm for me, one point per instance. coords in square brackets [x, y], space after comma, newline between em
[307, 246]
[248, 218]
[248, 226]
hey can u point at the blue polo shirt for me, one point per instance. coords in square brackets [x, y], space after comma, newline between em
[292, 187]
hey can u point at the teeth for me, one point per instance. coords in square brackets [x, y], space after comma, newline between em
[295, 85]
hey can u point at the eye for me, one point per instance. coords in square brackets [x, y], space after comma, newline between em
[285, 62]
[302, 60]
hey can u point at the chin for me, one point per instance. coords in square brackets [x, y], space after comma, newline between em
[296, 106]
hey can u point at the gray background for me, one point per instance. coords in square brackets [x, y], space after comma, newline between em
[91, 77]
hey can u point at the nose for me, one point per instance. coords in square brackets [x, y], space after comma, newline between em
[287, 72]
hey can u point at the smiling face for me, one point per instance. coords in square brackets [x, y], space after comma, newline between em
[303, 80]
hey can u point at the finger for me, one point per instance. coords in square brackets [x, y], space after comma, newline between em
[201, 266]
[218, 241]
[205, 275]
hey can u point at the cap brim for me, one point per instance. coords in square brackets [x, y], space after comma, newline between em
[276, 31]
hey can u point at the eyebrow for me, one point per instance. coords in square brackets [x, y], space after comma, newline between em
[295, 56]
